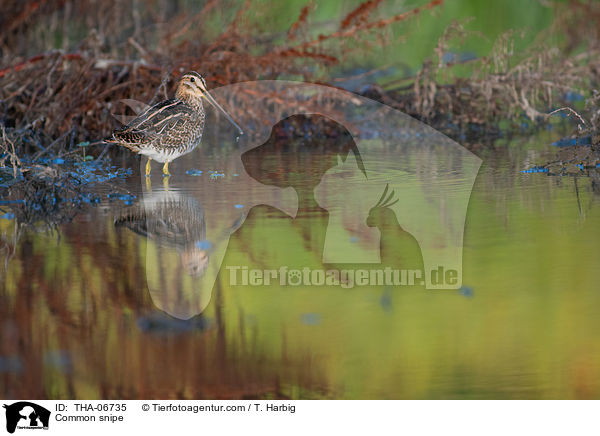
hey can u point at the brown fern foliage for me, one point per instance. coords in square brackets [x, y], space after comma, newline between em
[300, 22]
[359, 14]
[64, 64]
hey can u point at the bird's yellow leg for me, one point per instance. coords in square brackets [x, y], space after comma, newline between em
[166, 169]
[148, 168]
[148, 184]
[166, 182]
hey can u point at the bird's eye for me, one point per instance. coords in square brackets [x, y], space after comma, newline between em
[192, 80]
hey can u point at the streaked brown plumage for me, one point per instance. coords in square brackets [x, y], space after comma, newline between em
[172, 220]
[170, 128]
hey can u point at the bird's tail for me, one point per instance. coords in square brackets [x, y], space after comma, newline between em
[114, 139]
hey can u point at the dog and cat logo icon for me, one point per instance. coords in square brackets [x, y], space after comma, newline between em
[26, 415]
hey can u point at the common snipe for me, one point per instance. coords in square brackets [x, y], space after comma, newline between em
[171, 128]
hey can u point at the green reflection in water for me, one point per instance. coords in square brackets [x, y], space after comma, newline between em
[526, 327]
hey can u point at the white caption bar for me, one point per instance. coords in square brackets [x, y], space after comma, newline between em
[301, 417]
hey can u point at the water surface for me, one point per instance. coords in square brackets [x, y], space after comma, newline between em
[84, 309]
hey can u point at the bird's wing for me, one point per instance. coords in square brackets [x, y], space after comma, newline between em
[155, 121]
[161, 228]
[171, 222]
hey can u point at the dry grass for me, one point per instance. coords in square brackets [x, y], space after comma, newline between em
[508, 86]
[137, 49]
[8, 152]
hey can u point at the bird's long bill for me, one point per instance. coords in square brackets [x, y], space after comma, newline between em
[212, 101]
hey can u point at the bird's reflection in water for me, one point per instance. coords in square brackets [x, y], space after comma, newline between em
[174, 221]
[182, 256]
